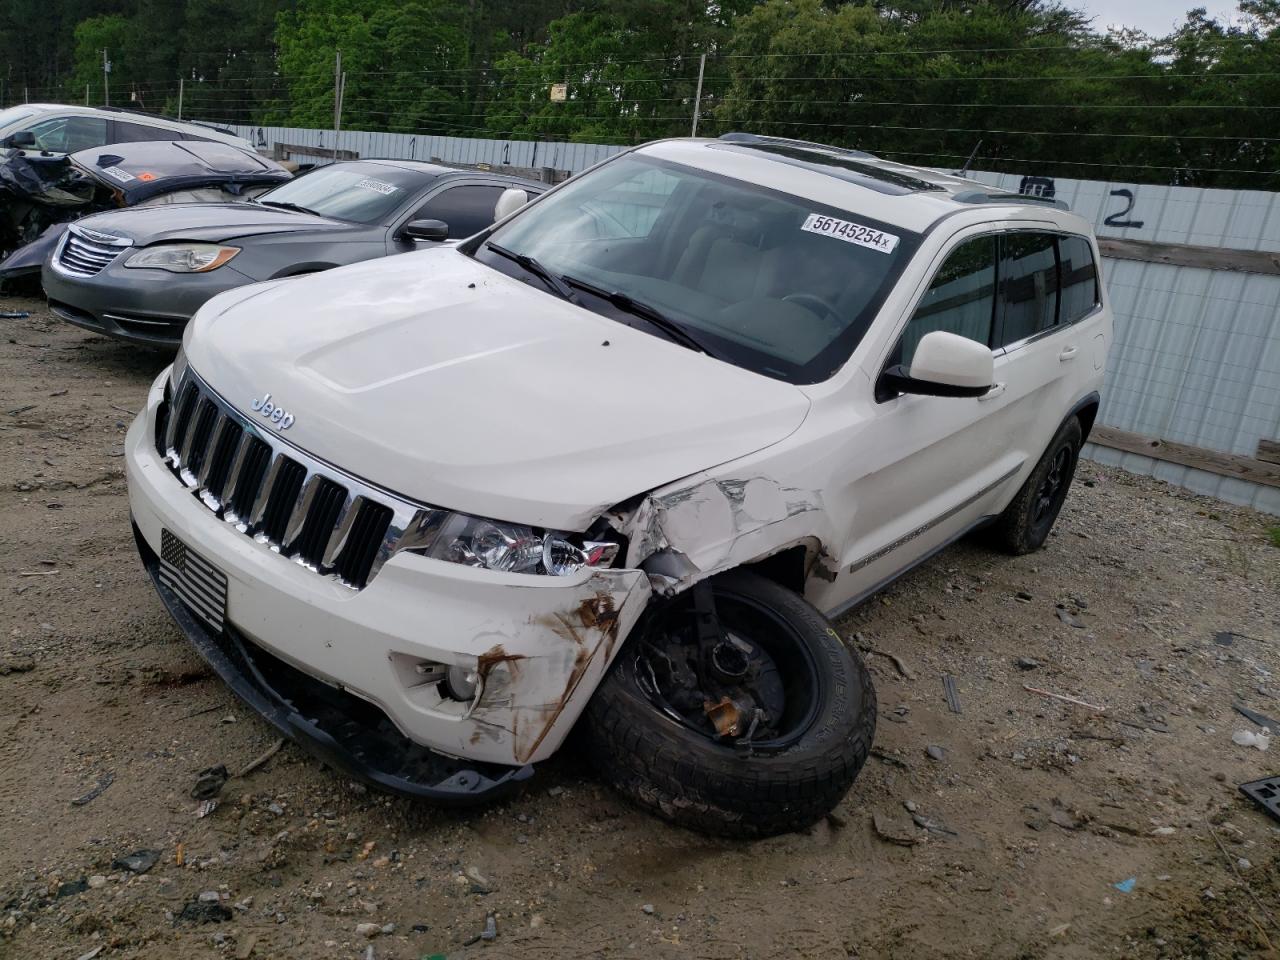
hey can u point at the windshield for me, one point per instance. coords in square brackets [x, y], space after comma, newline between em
[11, 117]
[765, 280]
[362, 192]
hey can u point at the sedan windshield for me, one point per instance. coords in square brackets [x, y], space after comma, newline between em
[771, 282]
[361, 192]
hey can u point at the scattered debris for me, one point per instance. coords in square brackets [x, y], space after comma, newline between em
[1027, 663]
[22, 315]
[140, 861]
[209, 782]
[953, 695]
[1265, 793]
[103, 783]
[19, 665]
[1261, 719]
[206, 807]
[647, 908]
[897, 661]
[489, 934]
[71, 888]
[1069, 619]
[201, 910]
[479, 884]
[892, 832]
[92, 953]
[1061, 696]
[1126, 886]
[258, 761]
[369, 930]
[1247, 738]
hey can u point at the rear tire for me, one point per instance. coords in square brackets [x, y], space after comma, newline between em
[697, 779]
[1024, 525]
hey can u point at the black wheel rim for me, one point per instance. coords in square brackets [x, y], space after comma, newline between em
[1053, 488]
[781, 674]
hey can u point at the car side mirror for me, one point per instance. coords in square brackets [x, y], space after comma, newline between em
[426, 231]
[944, 365]
[512, 199]
[22, 140]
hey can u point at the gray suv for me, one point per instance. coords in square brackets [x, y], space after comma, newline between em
[140, 274]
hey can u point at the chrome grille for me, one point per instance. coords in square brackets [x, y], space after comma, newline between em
[83, 255]
[297, 505]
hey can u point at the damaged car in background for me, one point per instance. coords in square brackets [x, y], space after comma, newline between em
[609, 466]
[41, 191]
[140, 274]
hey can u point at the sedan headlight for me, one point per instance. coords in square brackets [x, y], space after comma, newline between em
[183, 257]
[514, 548]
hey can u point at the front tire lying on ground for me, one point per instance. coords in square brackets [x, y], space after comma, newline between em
[1024, 525]
[734, 709]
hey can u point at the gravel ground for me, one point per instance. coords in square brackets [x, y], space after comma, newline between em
[1021, 827]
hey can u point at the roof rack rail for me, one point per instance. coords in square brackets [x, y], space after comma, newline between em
[738, 136]
[987, 196]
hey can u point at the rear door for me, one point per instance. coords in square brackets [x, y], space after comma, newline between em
[1049, 312]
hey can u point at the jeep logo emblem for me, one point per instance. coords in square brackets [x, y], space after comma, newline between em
[273, 412]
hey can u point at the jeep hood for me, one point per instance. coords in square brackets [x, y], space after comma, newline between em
[450, 383]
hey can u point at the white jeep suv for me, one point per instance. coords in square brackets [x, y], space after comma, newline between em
[610, 465]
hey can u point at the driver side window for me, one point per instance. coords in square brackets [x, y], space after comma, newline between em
[961, 298]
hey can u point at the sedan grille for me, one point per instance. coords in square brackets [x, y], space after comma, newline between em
[82, 256]
[295, 504]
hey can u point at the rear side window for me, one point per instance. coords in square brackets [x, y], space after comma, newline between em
[466, 209]
[960, 300]
[1028, 285]
[126, 132]
[1079, 279]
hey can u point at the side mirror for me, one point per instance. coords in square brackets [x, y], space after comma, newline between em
[426, 231]
[944, 365]
[22, 140]
[512, 199]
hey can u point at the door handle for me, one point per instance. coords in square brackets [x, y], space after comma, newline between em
[1068, 353]
[995, 391]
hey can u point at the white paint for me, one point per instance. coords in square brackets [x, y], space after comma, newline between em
[448, 382]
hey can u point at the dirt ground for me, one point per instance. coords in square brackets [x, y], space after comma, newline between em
[1030, 814]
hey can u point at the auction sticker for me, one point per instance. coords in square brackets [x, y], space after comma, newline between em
[124, 176]
[850, 232]
[377, 186]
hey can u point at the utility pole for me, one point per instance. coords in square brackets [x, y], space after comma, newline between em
[106, 79]
[26, 95]
[697, 99]
[181, 81]
[86, 94]
[337, 100]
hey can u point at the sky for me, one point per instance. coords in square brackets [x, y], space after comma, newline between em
[1156, 17]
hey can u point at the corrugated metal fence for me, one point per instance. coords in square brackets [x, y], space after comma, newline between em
[1197, 354]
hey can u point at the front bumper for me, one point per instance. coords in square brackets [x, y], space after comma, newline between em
[149, 307]
[541, 644]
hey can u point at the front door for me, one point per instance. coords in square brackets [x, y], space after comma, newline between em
[920, 469]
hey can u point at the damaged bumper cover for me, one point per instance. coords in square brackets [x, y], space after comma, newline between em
[538, 645]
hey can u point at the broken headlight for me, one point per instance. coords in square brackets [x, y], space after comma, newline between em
[183, 257]
[514, 548]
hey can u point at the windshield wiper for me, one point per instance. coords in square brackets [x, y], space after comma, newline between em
[537, 269]
[653, 315]
[285, 205]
